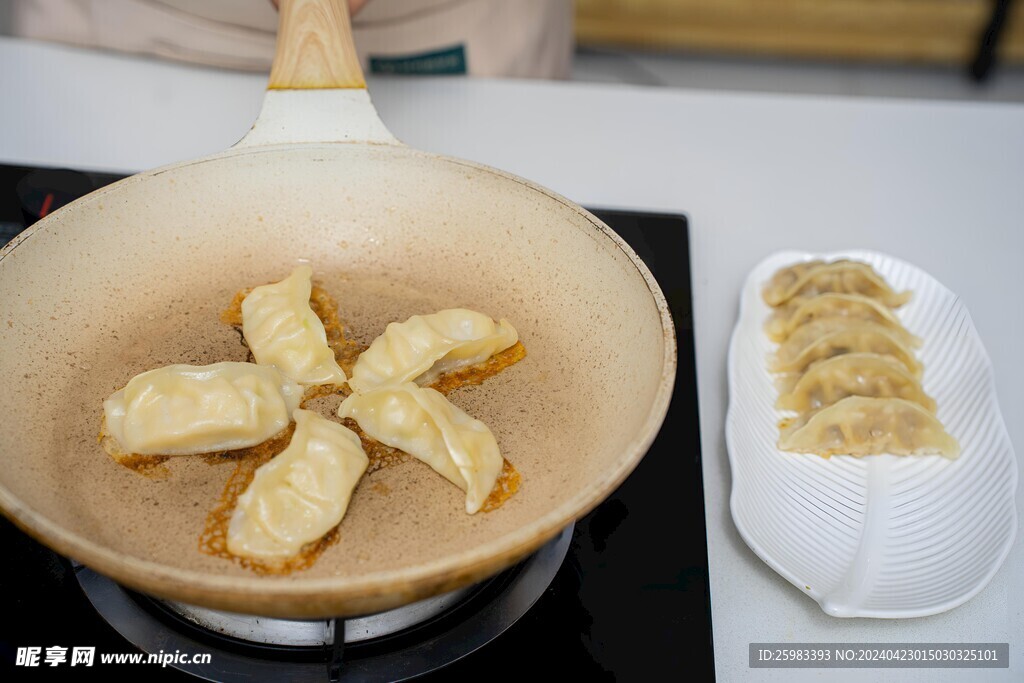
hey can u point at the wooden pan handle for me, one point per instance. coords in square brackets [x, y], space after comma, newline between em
[315, 48]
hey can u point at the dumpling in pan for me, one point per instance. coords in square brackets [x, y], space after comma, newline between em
[425, 425]
[189, 409]
[282, 330]
[869, 426]
[853, 374]
[299, 495]
[799, 312]
[845, 277]
[795, 355]
[426, 346]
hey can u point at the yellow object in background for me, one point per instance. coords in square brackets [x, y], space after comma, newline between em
[920, 31]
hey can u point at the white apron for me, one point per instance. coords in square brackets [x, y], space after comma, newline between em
[516, 38]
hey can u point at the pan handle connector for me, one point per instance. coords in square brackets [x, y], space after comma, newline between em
[316, 91]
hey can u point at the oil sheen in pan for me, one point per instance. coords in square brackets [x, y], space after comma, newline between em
[213, 540]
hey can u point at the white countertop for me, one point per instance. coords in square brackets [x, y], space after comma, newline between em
[938, 184]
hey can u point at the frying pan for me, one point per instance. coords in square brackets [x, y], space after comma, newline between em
[132, 277]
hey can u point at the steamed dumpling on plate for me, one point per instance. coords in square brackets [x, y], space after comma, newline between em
[853, 374]
[810, 332]
[845, 277]
[796, 355]
[860, 426]
[784, 279]
[800, 312]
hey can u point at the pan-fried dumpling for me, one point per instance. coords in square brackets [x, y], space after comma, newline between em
[853, 374]
[282, 330]
[188, 409]
[426, 346]
[847, 277]
[861, 338]
[299, 495]
[425, 425]
[869, 426]
[799, 312]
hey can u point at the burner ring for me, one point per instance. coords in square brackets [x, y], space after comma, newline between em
[316, 633]
[394, 647]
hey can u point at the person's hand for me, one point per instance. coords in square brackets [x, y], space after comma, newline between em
[353, 5]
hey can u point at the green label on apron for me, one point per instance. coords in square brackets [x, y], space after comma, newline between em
[450, 60]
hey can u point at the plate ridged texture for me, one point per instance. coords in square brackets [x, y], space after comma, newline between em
[883, 536]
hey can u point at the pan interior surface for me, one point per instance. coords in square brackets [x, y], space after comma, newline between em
[133, 277]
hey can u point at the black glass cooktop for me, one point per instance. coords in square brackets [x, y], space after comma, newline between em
[630, 602]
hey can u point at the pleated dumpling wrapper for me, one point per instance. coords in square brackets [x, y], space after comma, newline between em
[424, 424]
[299, 495]
[797, 314]
[853, 374]
[777, 290]
[191, 409]
[282, 330]
[858, 337]
[426, 346]
[869, 426]
[816, 329]
[844, 277]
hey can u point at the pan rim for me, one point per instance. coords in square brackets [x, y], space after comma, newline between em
[440, 574]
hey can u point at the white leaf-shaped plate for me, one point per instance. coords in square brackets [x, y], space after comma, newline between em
[882, 536]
